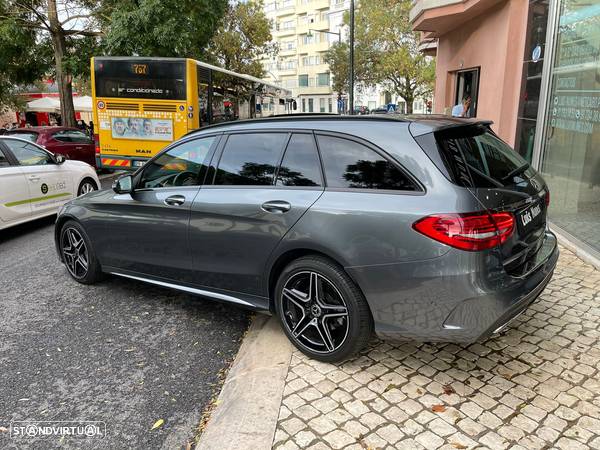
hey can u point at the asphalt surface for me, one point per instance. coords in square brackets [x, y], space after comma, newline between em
[120, 352]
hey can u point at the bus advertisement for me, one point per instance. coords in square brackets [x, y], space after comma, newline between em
[140, 105]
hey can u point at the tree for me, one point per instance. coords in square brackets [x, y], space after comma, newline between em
[176, 28]
[75, 30]
[386, 51]
[55, 25]
[242, 39]
[22, 61]
[338, 58]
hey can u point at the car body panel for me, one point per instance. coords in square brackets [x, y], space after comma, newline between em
[39, 190]
[46, 136]
[416, 287]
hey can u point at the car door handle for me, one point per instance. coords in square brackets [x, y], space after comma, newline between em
[34, 178]
[175, 200]
[276, 206]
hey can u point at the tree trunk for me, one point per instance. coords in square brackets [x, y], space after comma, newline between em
[63, 79]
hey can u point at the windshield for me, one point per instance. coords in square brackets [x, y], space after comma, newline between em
[31, 137]
[476, 157]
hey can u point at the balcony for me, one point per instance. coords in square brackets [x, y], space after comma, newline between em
[311, 5]
[314, 90]
[287, 51]
[438, 17]
[282, 32]
[313, 48]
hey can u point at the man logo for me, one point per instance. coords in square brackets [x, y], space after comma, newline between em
[44, 188]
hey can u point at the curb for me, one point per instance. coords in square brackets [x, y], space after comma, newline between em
[248, 405]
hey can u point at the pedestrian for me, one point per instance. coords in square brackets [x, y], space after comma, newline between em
[462, 109]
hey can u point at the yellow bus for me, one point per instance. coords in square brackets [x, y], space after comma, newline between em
[140, 105]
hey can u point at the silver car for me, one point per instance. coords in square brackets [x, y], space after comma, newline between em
[426, 228]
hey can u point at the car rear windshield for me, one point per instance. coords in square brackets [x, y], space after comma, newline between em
[475, 157]
[32, 137]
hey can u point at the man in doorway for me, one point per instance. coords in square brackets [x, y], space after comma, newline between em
[462, 109]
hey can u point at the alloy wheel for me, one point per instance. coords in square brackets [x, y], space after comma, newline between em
[75, 253]
[315, 312]
[86, 188]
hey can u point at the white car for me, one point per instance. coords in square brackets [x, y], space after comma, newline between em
[35, 183]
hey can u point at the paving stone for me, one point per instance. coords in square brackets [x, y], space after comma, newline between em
[429, 440]
[536, 386]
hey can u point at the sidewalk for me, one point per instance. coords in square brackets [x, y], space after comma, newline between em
[536, 386]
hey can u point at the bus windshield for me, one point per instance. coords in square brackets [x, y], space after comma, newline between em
[140, 79]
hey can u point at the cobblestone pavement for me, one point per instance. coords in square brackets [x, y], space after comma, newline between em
[536, 386]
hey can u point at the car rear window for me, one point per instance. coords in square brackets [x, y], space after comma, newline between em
[32, 137]
[474, 156]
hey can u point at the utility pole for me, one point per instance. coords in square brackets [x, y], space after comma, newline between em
[351, 75]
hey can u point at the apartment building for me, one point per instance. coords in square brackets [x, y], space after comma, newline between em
[304, 31]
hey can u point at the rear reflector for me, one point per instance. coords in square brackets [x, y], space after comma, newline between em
[97, 143]
[471, 232]
[547, 198]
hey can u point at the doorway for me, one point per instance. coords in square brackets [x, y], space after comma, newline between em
[467, 83]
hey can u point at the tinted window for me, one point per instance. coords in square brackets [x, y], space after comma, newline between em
[475, 157]
[250, 159]
[180, 166]
[300, 165]
[28, 154]
[3, 161]
[71, 136]
[32, 137]
[349, 164]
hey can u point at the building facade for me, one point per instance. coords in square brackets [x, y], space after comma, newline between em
[533, 67]
[304, 30]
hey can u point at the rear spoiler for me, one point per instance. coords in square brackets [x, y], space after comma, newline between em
[418, 129]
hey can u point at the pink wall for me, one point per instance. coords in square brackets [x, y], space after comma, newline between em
[493, 41]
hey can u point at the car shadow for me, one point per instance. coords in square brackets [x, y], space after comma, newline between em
[21, 230]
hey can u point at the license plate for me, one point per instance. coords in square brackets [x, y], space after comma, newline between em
[138, 163]
[530, 217]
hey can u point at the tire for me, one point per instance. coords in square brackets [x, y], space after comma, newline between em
[319, 328]
[87, 185]
[75, 249]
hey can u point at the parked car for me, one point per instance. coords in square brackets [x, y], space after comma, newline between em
[72, 143]
[380, 110]
[34, 183]
[360, 110]
[426, 228]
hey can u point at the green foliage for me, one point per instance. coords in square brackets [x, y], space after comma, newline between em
[338, 58]
[176, 28]
[22, 59]
[385, 52]
[243, 37]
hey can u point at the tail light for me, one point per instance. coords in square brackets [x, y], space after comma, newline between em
[471, 232]
[547, 198]
[97, 143]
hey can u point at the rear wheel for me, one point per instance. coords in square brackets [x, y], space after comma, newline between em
[78, 254]
[86, 186]
[322, 311]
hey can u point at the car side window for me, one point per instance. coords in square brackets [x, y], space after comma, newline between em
[28, 154]
[61, 136]
[300, 165]
[349, 164]
[250, 159]
[180, 166]
[3, 161]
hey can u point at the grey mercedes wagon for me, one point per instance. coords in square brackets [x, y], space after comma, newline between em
[426, 228]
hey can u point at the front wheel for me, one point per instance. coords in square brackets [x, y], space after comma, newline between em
[322, 311]
[86, 186]
[78, 254]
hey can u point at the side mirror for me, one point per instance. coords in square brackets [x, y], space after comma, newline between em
[59, 159]
[123, 185]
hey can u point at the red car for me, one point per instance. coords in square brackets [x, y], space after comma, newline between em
[70, 142]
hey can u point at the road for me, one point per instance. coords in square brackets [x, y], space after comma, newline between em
[121, 352]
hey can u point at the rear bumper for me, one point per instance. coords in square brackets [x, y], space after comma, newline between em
[459, 297]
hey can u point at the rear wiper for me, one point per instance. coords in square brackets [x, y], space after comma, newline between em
[514, 172]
